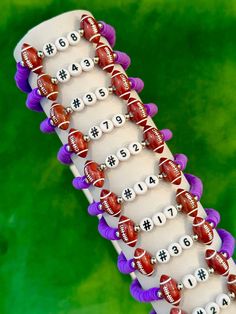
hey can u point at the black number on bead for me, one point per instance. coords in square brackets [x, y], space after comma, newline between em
[213, 310]
[135, 146]
[123, 153]
[74, 67]
[119, 119]
[170, 210]
[105, 123]
[175, 249]
[74, 37]
[101, 92]
[151, 180]
[87, 63]
[187, 242]
[225, 302]
[62, 42]
[89, 97]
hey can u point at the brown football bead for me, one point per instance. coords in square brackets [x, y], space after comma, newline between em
[143, 262]
[105, 57]
[109, 203]
[31, 59]
[188, 203]
[137, 111]
[169, 290]
[217, 261]
[46, 87]
[121, 84]
[94, 174]
[127, 232]
[77, 143]
[90, 28]
[170, 171]
[59, 116]
[203, 230]
[153, 139]
[231, 284]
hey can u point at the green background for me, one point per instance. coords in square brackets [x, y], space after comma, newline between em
[52, 259]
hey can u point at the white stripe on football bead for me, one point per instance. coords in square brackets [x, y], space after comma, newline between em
[232, 281]
[26, 48]
[124, 94]
[199, 224]
[180, 193]
[98, 47]
[116, 213]
[208, 242]
[131, 102]
[72, 132]
[41, 75]
[226, 273]
[101, 179]
[102, 197]
[176, 302]
[121, 222]
[212, 255]
[96, 35]
[88, 162]
[165, 159]
[145, 119]
[131, 241]
[158, 147]
[139, 256]
[164, 282]
[54, 105]
[81, 152]
[39, 67]
[65, 122]
[192, 211]
[176, 179]
[150, 127]
[118, 73]
[51, 94]
[84, 18]
[107, 66]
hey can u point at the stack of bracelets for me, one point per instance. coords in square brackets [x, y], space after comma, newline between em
[128, 231]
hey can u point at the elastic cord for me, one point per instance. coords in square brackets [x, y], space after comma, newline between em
[106, 231]
[141, 295]
[196, 186]
[124, 265]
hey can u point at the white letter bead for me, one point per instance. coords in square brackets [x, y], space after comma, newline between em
[106, 126]
[123, 154]
[186, 242]
[62, 43]
[49, 49]
[87, 64]
[140, 188]
[135, 148]
[63, 75]
[159, 219]
[146, 224]
[199, 310]
[74, 69]
[212, 308]
[189, 281]
[101, 93]
[128, 194]
[163, 256]
[95, 132]
[73, 38]
[170, 212]
[152, 181]
[175, 249]
[223, 300]
[112, 161]
[201, 274]
[77, 104]
[89, 99]
[118, 120]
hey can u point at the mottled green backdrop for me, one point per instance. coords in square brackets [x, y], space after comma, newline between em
[52, 259]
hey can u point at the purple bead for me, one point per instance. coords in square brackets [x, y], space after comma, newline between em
[80, 183]
[46, 126]
[124, 265]
[64, 156]
[153, 312]
[167, 134]
[228, 243]
[213, 216]
[106, 231]
[33, 101]
[152, 109]
[181, 160]
[93, 209]
[108, 32]
[136, 83]
[123, 59]
[21, 78]
[141, 295]
[196, 186]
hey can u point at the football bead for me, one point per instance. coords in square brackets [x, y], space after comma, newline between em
[153, 139]
[46, 87]
[90, 28]
[137, 111]
[169, 290]
[203, 230]
[177, 311]
[217, 261]
[126, 228]
[231, 283]
[105, 56]
[121, 84]
[94, 174]
[170, 170]
[77, 143]
[59, 116]
[188, 202]
[142, 262]
[30, 58]
[109, 203]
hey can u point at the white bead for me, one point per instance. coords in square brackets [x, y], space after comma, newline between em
[170, 212]
[140, 188]
[163, 256]
[118, 120]
[123, 154]
[189, 281]
[63, 75]
[73, 38]
[106, 126]
[146, 224]
[212, 308]
[223, 300]
[135, 148]
[89, 99]
[128, 194]
[95, 132]
[199, 310]
[87, 64]
[186, 242]
[175, 249]
[75, 69]
[77, 104]
[112, 161]
[159, 219]
[201, 274]
[49, 49]
[152, 181]
[101, 93]
[62, 43]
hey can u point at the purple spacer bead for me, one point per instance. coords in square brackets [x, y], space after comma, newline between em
[80, 183]
[136, 83]
[33, 100]
[46, 126]
[153, 312]
[21, 78]
[64, 156]
[213, 216]
[124, 265]
[108, 32]
[93, 209]
[181, 160]
[167, 134]
[228, 243]
[152, 109]
[123, 59]
[106, 231]
[141, 295]
[196, 186]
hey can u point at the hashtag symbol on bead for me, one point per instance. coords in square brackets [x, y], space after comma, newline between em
[62, 74]
[202, 274]
[76, 102]
[146, 225]
[128, 193]
[49, 49]
[162, 255]
[111, 160]
[94, 132]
